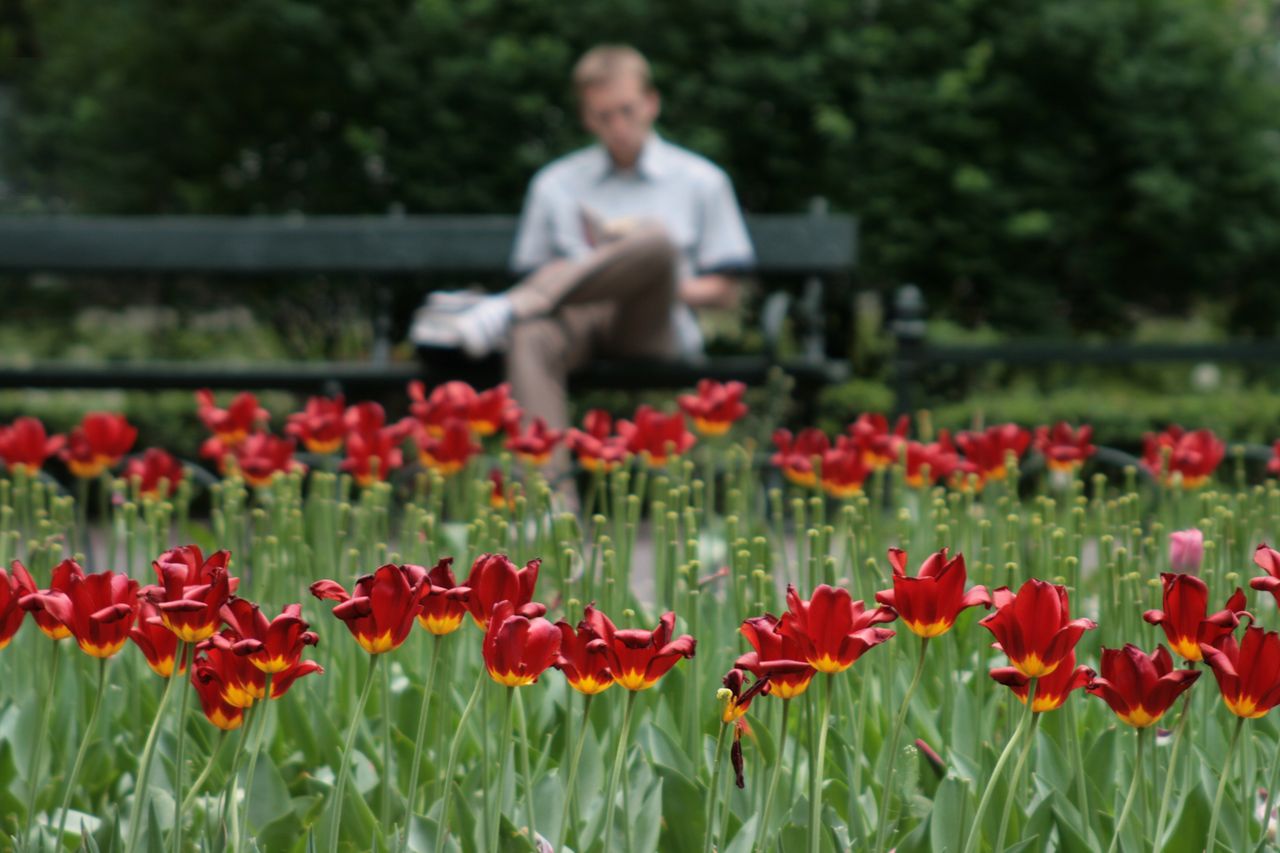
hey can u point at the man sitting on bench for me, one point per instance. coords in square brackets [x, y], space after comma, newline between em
[616, 243]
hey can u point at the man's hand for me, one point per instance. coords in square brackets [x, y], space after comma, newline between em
[710, 291]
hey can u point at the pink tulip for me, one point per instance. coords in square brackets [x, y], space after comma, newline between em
[1186, 551]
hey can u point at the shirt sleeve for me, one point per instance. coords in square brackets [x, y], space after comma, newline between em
[535, 243]
[723, 244]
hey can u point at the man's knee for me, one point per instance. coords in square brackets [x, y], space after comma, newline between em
[540, 339]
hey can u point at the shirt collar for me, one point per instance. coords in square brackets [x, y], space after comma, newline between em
[651, 164]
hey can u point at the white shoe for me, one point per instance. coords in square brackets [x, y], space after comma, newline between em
[434, 329]
[482, 329]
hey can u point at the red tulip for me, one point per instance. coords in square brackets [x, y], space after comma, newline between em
[498, 497]
[1065, 448]
[319, 426]
[1267, 559]
[60, 582]
[260, 456]
[715, 407]
[157, 643]
[234, 423]
[12, 588]
[930, 602]
[444, 602]
[372, 456]
[517, 649]
[832, 629]
[270, 646]
[1249, 673]
[98, 610]
[880, 447]
[584, 656]
[795, 454]
[638, 658]
[25, 446]
[844, 469]
[772, 647]
[450, 401]
[533, 446]
[1140, 687]
[208, 681]
[495, 578]
[595, 445]
[99, 443]
[381, 610]
[654, 436]
[449, 452]
[154, 466]
[492, 410]
[1052, 689]
[1192, 456]
[939, 460]
[736, 700]
[1273, 464]
[1185, 617]
[990, 448]
[1034, 627]
[191, 591]
[240, 682]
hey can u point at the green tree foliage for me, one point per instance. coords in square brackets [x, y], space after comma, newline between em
[1034, 164]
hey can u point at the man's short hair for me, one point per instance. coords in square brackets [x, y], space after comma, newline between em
[606, 63]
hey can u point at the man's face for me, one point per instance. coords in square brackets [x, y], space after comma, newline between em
[620, 113]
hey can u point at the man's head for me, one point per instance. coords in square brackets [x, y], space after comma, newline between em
[617, 99]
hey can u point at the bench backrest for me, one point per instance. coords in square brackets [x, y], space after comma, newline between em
[816, 243]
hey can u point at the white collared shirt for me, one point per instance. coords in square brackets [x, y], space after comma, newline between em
[691, 196]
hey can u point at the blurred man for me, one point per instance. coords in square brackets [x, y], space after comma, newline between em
[616, 243]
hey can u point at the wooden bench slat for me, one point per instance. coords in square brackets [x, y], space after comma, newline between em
[350, 244]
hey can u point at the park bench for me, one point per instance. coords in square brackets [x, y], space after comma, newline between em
[809, 252]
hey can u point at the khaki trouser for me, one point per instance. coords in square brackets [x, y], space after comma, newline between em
[617, 301]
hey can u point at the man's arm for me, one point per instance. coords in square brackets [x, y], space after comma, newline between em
[724, 251]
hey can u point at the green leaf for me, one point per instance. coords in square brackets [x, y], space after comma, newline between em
[683, 821]
[1189, 825]
[947, 820]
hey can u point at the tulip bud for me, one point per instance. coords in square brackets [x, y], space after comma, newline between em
[1186, 550]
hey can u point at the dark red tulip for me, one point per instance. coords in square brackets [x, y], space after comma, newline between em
[1192, 456]
[654, 437]
[25, 446]
[930, 602]
[989, 449]
[937, 460]
[844, 469]
[1052, 689]
[492, 410]
[99, 443]
[13, 586]
[60, 582]
[1185, 617]
[584, 656]
[1140, 687]
[772, 646]
[319, 426]
[153, 467]
[448, 452]
[234, 423]
[98, 610]
[208, 681]
[638, 658]
[260, 456]
[1065, 448]
[595, 445]
[191, 591]
[832, 629]
[534, 445]
[381, 609]
[880, 447]
[1267, 559]
[795, 454]
[270, 646]
[495, 578]
[1248, 674]
[1034, 628]
[157, 643]
[518, 649]
[444, 602]
[450, 401]
[373, 455]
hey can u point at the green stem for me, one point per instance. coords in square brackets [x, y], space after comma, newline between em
[37, 751]
[566, 810]
[194, 790]
[714, 788]
[1133, 793]
[975, 829]
[1078, 754]
[1030, 739]
[454, 748]
[411, 795]
[618, 760]
[243, 835]
[179, 758]
[504, 747]
[388, 775]
[1170, 774]
[882, 833]
[140, 790]
[335, 821]
[815, 800]
[230, 805]
[84, 747]
[762, 831]
[1212, 837]
[524, 768]
[1271, 796]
